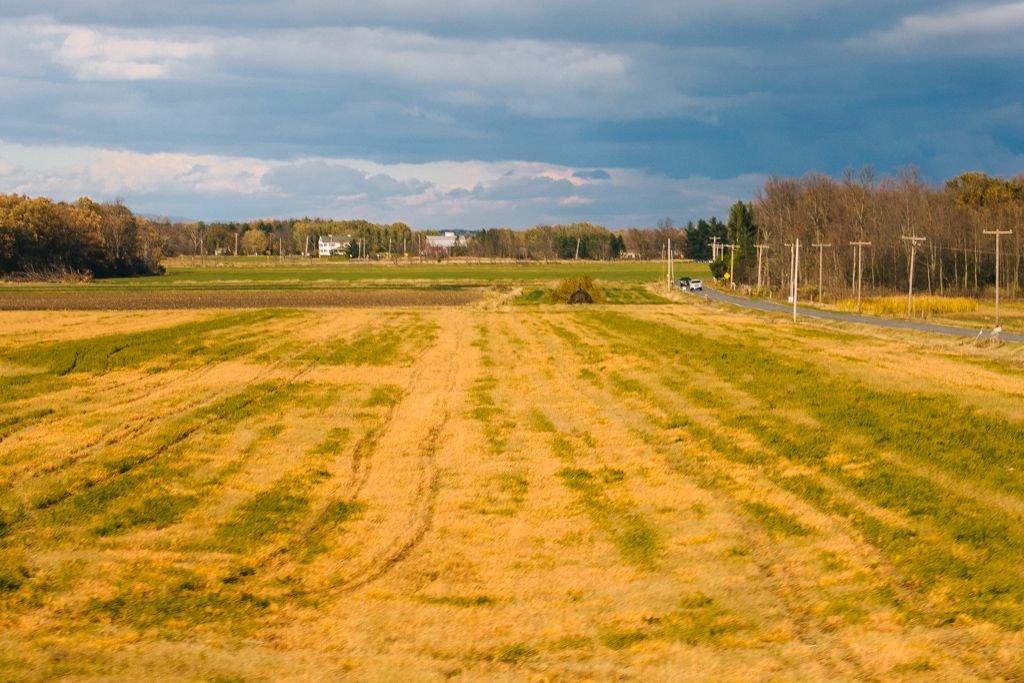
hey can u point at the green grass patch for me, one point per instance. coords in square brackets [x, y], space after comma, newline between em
[17, 387]
[775, 521]
[155, 512]
[243, 271]
[634, 537]
[13, 423]
[178, 599]
[514, 654]
[225, 337]
[385, 395]
[539, 422]
[618, 295]
[265, 517]
[505, 495]
[697, 620]
[458, 600]
[633, 296]
[334, 443]
[496, 428]
[328, 525]
[396, 345]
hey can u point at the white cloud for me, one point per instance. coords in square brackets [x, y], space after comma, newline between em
[987, 29]
[95, 55]
[471, 194]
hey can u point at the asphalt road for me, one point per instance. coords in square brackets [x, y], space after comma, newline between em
[787, 309]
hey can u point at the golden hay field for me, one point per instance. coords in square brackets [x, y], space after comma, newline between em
[505, 493]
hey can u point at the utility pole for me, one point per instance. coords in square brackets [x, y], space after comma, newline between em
[998, 234]
[914, 242]
[668, 266]
[714, 248]
[732, 264]
[760, 248]
[236, 244]
[794, 272]
[821, 269]
[578, 240]
[858, 266]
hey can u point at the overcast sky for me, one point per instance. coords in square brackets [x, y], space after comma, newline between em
[480, 113]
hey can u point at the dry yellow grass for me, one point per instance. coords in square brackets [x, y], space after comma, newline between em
[924, 306]
[499, 494]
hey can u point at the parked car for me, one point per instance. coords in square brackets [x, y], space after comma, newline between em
[683, 283]
[696, 285]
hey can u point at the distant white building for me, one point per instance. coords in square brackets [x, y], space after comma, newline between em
[334, 245]
[445, 240]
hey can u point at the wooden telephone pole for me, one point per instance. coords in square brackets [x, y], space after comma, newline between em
[760, 248]
[821, 268]
[794, 272]
[714, 248]
[914, 242]
[732, 264]
[669, 272]
[858, 266]
[998, 234]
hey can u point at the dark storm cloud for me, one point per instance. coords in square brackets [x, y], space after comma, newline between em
[681, 90]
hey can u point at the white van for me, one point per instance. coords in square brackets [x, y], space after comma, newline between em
[696, 285]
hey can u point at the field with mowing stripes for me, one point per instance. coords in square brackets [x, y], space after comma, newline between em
[649, 489]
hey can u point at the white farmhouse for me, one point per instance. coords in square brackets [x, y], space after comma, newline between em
[444, 241]
[334, 245]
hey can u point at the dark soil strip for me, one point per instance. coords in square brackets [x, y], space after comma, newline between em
[313, 298]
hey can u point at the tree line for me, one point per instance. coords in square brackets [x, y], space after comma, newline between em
[888, 216]
[380, 240]
[40, 238]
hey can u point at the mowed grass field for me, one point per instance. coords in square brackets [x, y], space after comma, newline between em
[504, 492]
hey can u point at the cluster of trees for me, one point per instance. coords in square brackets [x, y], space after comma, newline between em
[200, 238]
[544, 242]
[276, 237]
[42, 238]
[589, 241]
[956, 255]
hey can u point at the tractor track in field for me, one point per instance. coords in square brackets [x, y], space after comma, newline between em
[426, 434]
[420, 521]
[140, 427]
[360, 471]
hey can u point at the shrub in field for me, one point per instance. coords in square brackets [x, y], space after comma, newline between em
[570, 286]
